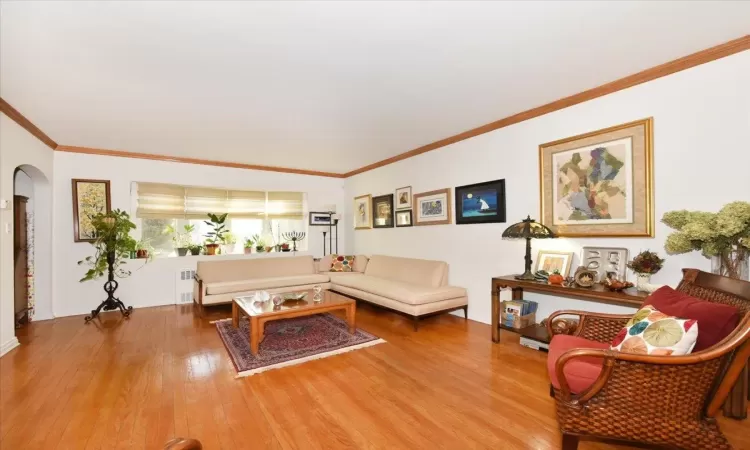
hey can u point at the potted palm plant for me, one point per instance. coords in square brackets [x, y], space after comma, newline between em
[216, 235]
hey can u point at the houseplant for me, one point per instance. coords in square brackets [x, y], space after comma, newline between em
[229, 242]
[144, 250]
[216, 235]
[195, 249]
[285, 247]
[182, 239]
[644, 265]
[248, 246]
[724, 237]
[112, 245]
[260, 245]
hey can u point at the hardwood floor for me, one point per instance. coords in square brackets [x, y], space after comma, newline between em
[135, 384]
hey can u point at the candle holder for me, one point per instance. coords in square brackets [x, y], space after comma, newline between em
[294, 237]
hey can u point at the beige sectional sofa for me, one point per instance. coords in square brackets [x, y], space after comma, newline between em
[414, 287]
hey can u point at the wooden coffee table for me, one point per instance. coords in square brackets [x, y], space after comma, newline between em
[261, 313]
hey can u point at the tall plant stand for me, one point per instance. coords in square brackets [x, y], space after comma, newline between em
[110, 286]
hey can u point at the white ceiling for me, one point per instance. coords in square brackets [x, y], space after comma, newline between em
[327, 86]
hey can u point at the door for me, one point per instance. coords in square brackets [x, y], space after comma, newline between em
[21, 299]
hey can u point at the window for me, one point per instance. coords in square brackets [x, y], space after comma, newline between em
[250, 213]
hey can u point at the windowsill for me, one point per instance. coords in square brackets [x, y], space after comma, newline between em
[230, 256]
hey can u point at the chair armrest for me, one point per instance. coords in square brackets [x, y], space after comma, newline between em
[197, 277]
[599, 327]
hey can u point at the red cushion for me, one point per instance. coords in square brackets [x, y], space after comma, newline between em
[715, 320]
[579, 372]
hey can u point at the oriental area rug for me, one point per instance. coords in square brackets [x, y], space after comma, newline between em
[289, 342]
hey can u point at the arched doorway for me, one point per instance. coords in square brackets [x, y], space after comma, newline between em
[32, 244]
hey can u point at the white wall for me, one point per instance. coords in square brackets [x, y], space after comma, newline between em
[19, 148]
[701, 157]
[154, 284]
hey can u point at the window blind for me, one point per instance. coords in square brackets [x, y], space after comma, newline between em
[285, 205]
[169, 201]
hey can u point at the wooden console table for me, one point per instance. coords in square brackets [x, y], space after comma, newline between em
[598, 293]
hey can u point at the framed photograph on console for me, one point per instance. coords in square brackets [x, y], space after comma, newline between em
[90, 197]
[550, 262]
[382, 211]
[481, 203]
[599, 184]
[403, 198]
[363, 212]
[433, 208]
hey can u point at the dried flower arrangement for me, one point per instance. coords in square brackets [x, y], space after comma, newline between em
[725, 235]
[646, 262]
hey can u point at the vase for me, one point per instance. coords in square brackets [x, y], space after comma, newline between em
[731, 263]
[643, 282]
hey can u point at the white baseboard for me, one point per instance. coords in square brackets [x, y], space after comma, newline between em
[9, 345]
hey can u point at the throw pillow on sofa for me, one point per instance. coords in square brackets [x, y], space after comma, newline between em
[651, 332]
[341, 263]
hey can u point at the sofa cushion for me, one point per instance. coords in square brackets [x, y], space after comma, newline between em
[360, 264]
[716, 320]
[412, 294]
[342, 263]
[266, 267]
[226, 287]
[580, 373]
[408, 270]
[651, 332]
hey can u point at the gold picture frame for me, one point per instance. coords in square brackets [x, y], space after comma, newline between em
[550, 261]
[90, 197]
[618, 201]
[362, 212]
[439, 210]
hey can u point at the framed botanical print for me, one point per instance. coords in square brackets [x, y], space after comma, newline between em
[481, 202]
[550, 262]
[403, 198]
[90, 197]
[382, 211]
[433, 208]
[599, 184]
[363, 212]
[403, 218]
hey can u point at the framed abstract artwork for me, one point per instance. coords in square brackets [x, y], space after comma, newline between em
[90, 197]
[432, 208]
[403, 218]
[481, 202]
[382, 211]
[550, 262]
[363, 212]
[403, 198]
[599, 184]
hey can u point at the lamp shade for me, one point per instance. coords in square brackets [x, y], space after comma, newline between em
[528, 229]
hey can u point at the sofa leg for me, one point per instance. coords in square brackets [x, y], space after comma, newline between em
[551, 391]
[466, 312]
[415, 321]
[569, 442]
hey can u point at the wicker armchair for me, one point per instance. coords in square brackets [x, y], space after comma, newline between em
[667, 401]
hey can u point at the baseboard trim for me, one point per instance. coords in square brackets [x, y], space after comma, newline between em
[9, 345]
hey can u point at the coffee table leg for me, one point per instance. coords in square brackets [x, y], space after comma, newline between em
[255, 333]
[235, 315]
[351, 318]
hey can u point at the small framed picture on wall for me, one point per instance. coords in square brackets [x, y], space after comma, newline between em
[403, 198]
[320, 219]
[403, 218]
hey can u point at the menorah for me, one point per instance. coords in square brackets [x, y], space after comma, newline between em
[294, 237]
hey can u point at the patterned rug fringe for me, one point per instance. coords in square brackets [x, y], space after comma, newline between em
[220, 320]
[293, 362]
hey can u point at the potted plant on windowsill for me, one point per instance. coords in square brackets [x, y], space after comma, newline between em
[248, 246]
[195, 249]
[260, 245]
[216, 235]
[182, 239]
[230, 240]
[143, 249]
[285, 247]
